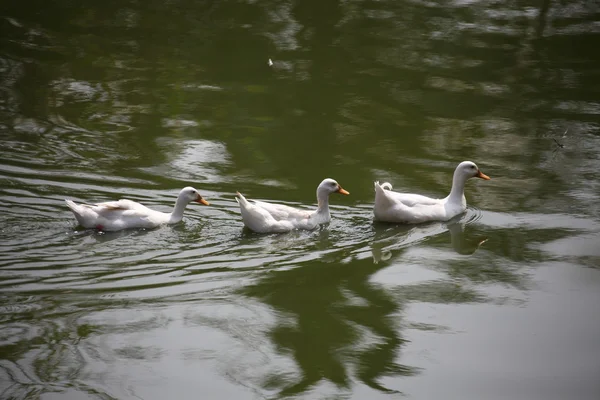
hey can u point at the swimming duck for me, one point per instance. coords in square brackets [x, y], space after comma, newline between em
[125, 214]
[407, 208]
[265, 217]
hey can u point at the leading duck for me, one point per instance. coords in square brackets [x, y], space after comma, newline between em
[409, 208]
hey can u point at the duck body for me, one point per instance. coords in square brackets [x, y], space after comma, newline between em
[128, 214]
[267, 217]
[411, 208]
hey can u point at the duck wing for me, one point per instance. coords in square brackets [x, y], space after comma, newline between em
[282, 212]
[259, 219]
[411, 200]
[119, 205]
[385, 197]
[112, 215]
[126, 212]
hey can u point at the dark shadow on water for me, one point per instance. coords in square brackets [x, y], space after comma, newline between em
[343, 325]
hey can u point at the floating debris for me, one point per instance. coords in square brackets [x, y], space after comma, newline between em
[562, 146]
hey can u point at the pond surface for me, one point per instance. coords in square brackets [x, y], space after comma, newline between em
[137, 99]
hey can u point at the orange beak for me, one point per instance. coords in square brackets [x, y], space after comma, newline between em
[482, 176]
[343, 191]
[200, 200]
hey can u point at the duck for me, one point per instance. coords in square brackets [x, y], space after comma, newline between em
[411, 208]
[266, 217]
[128, 214]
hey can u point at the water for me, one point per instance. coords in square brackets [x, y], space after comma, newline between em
[103, 100]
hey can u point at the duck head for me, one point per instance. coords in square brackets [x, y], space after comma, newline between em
[469, 169]
[189, 194]
[324, 189]
[329, 186]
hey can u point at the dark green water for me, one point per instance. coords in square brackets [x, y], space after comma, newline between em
[107, 99]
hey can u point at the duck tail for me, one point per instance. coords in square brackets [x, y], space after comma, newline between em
[383, 186]
[241, 200]
[72, 205]
[76, 209]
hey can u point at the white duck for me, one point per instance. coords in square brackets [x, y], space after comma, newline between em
[263, 217]
[413, 208]
[124, 214]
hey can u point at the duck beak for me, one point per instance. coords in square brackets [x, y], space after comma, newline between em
[343, 191]
[482, 175]
[200, 200]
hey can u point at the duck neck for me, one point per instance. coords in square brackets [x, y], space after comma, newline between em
[323, 202]
[457, 193]
[177, 214]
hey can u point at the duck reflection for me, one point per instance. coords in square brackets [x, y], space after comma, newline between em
[389, 237]
[464, 261]
[93, 236]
